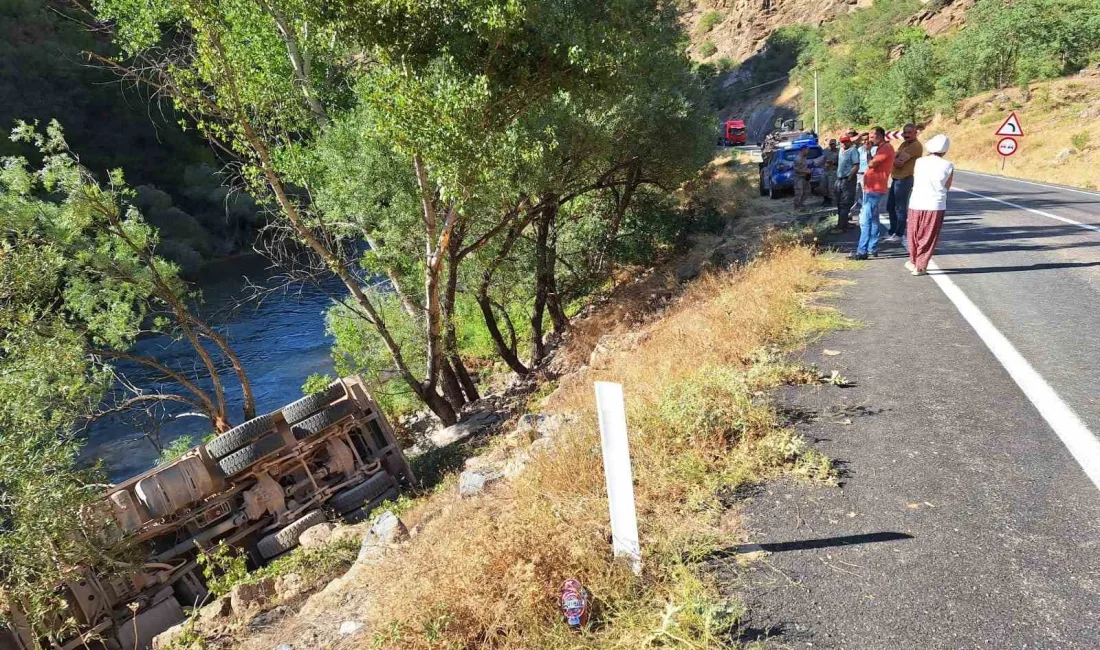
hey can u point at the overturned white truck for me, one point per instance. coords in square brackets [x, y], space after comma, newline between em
[256, 487]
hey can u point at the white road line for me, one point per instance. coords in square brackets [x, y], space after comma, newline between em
[1018, 180]
[1041, 213]
[1081, 442]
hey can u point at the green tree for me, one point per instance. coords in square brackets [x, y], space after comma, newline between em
[453, 98]
[111, 286]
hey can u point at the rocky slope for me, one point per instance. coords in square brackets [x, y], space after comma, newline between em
[746, 24]
[738, 28]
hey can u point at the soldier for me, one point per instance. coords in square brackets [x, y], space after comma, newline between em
[801, 179]
[832, 159]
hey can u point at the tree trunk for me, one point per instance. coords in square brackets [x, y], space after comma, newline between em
[508, 351]
[452, 390]
[180, 313]
[234, 360]
[622, 204]
[424, 390]
[543, 278]
[450, 334]
[299, 63]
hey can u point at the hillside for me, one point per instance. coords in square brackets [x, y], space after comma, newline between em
[739, 28]
[1061, 121]
[948, 65]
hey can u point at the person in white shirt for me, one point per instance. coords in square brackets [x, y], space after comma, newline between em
[932, 177]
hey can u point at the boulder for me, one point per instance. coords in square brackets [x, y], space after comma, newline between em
[284, 646]
[348, 628]
[244, 597]
[474, 424]
[516, 464]
[289, 586]
[474, 481]
[685, 271]
[167, 639]
[316, 536]
[266, 619]
[388, 529]
[220, 608]
[385, 532]
[1062, 156]
[341, 533]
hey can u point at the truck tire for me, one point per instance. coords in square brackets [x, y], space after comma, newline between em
[239, 436]
[310, 404]
[362, 514]
[357, 495]
[763, 191]
[243, 458]
[285, 539]
[316, 423]
[773, 193]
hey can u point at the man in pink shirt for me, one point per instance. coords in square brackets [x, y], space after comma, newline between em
[876, 182]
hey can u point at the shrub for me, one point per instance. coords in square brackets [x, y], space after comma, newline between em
[710, 20]
[1080, 140]
[707, 49]
[175, 449]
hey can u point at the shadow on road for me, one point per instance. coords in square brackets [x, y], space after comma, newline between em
[810, 544]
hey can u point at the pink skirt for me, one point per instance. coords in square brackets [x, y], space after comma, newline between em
[923, 231]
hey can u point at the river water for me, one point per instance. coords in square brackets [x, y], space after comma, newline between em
[281, 340]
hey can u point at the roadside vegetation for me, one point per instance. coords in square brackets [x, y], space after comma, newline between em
[699, 431]
[483, 572]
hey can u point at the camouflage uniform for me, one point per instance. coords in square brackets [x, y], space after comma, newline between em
[801, 181]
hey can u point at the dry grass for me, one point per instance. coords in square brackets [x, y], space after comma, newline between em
[1051, 116]
[484, 573]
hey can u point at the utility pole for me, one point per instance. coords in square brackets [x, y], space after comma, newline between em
[815, 102]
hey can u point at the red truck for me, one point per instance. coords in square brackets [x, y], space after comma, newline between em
[734, 133]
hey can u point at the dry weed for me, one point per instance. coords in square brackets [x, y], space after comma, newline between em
[484, 573]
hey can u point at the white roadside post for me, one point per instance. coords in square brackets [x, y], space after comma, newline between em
[616, 469]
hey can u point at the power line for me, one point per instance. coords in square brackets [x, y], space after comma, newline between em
[766, 83]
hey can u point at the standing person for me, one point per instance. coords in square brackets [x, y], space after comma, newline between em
[863, 148]
[875, 183]
[898, 203]
[932, 178]
[847, 168]
[801, 179]
[830, 164]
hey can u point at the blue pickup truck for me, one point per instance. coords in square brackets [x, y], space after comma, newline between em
[777, 168]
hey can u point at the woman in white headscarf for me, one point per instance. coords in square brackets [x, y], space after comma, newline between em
[932, 179]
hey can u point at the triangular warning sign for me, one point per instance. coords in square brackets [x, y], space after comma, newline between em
[1011, 127]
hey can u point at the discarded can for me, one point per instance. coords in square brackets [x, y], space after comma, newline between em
[575, 603]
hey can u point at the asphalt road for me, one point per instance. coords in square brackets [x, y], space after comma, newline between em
[963, 520]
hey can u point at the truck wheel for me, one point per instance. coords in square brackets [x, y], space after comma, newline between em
[239, 436]
[316, 423]
[773, 194]
[763, 192]
[355, 496]
[362, 514]
[242, 459]
[310, 404]
[283, 540]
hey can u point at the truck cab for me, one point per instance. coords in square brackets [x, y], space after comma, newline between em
[734, 133]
